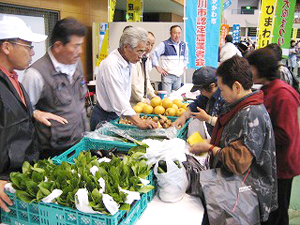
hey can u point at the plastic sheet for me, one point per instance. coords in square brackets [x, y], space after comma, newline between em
[133, 134]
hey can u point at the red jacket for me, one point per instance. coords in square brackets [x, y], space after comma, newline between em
[282, 102]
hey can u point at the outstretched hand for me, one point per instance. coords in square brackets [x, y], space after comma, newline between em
[201, 115]
[45, 117]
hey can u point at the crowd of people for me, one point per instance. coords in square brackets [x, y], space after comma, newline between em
[252, 131]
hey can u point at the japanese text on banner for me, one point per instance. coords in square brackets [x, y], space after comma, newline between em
[284, 22]
[201, 32]
[203, 25]
[224, 31]
[236, 33]
[266, 22]
[134, 10]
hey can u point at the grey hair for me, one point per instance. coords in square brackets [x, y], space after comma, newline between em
[133, 36]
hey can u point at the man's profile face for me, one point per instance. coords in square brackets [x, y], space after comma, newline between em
[134, 55]
[150, 43]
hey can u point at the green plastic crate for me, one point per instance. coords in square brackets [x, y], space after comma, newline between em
[93, 144]
[181, 133]
[51, 214]
[90, 144]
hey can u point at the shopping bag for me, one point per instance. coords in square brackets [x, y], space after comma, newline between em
[172, 185]
[229, 201]
[193, 169]
[197, 125]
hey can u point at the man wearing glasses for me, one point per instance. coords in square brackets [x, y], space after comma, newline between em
[56, 87]
[113, 81]
[17, 133]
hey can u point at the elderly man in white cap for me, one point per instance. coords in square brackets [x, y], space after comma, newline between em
[17, 132]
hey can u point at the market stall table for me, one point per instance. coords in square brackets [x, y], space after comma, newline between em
[187, 211]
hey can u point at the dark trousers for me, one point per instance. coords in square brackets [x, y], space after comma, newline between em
[100, 115]
[280, 216]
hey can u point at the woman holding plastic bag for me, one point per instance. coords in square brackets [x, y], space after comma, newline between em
[243, 145]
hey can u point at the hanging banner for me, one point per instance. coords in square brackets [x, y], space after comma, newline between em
[227, 4]
[203, 26]
[295, 31]
[111, 10]
[236, 33]
[224, 31]
[103, 43]
[283, 23]
[266, 22]
[100, 44]
[134, 10]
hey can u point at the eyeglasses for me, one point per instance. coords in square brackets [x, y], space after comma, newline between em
[17, 43]
[139, 51]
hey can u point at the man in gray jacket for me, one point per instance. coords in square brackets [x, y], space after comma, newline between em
[56, 87]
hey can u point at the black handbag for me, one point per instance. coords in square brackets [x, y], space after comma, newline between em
[193, 168]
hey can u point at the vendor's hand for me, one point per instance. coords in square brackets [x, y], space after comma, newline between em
[44, 117]
[201, 115]
[161, 71]
[4, 199]
[147, 124]
[147, 101]
[178, 123]
[200, 148]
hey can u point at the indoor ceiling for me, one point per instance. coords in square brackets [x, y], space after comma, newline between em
[167, 6]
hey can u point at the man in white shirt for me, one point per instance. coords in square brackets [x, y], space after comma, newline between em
[113, 80]
[141, 87]
[228, 50]
[56, 87]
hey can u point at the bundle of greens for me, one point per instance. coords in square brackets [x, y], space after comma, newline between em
[38, 181]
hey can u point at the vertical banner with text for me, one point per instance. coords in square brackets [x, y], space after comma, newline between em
[223, 32]
[236, 33]
[111, 10]
[203, 26]
[284, 23]
[266, 23]
[134, 10]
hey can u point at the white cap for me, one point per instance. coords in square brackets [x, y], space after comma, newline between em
[14, 27]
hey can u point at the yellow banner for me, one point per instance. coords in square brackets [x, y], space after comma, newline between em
[134, 10]
[111, 10]
[103, 49]
[294, 36]
[266, 22]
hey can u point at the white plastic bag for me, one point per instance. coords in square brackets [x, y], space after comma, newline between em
[173, 149]
[197, 125]
[172, 185]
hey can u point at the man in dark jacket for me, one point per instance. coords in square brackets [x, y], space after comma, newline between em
[17, 133]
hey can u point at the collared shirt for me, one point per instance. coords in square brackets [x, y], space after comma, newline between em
[33, 81]
[212, 106]
[160, 50]
[13, 77]
[138, 83]
[113, 85]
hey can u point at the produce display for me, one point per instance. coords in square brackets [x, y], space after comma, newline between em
[38, 181]
[164, 107]
[162, 121]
